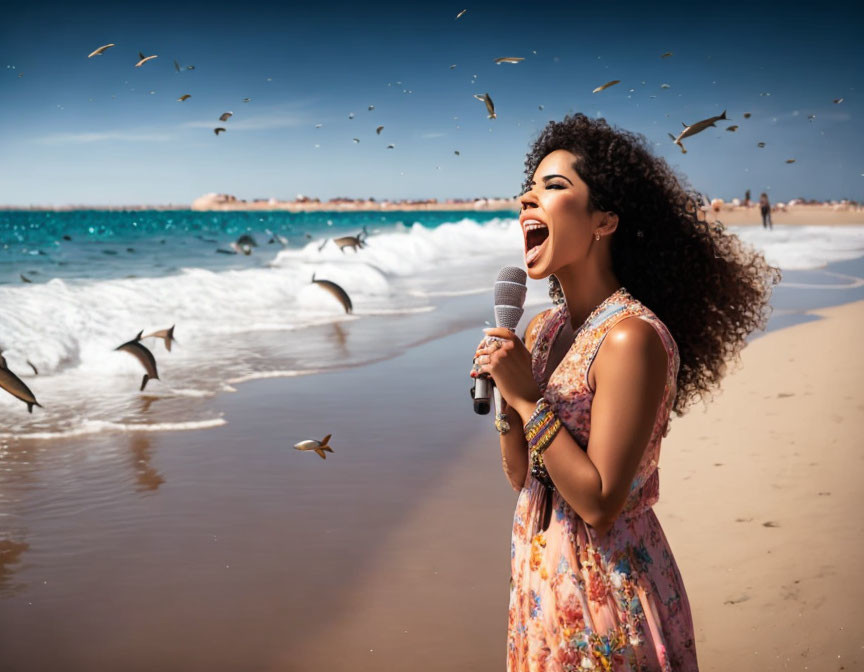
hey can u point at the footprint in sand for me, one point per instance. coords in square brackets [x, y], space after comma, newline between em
[743, 520]
[770, 523]
[737, 600]
[782, 395]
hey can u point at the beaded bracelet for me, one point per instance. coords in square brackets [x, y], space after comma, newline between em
[540, 429]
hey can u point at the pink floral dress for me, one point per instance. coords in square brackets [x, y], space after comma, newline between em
[579, 601]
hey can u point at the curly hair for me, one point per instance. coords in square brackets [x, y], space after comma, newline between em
[708, 287]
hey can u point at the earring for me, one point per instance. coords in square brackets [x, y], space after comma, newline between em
[555, 292]
[597, 236]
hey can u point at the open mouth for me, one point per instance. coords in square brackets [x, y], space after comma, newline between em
[536, 234]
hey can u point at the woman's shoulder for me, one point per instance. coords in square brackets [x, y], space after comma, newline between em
[534, 326]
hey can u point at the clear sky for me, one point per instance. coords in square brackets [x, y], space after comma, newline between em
[75, 130]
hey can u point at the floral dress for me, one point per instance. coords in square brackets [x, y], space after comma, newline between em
[579, 601]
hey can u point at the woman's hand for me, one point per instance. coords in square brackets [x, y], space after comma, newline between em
[506, 359]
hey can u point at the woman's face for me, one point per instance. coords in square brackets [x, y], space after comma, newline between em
[557, 227]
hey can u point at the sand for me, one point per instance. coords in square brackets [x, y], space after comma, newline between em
[760, 499]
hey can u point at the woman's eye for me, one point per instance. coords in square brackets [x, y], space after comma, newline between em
[550, 186]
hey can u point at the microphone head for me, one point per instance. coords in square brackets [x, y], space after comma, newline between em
[510, 292]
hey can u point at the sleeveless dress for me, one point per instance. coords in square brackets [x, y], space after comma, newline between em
[579, 601]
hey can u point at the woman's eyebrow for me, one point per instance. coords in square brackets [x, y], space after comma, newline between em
[549, 177]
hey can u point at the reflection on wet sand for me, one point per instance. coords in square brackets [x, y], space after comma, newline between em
[146, 476]
[10, 554]
[340, 338]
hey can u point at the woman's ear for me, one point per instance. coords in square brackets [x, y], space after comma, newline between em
[610, 222]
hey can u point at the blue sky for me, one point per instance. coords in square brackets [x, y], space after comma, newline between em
[89, 131]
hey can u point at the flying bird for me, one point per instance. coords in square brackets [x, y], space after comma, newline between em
[225, 116]
[452, 66]
[371, 107]
[665, 86]
[811, 117]
[185, 96]
[176, 65]
[340, 294]
[698, 127]
[143, 59]
[490, 106]
[837, 101]
[246, 100]
[666, 55]
[456, 152]
[509, 59]
[378, 130]
[15, 386]
[391, 146]
[24, 278]
[460, 13]
[167, 335]
[101, 50]
[790, 160]
[540, 107]
[351, 115]
[218, 130]
[317, 446]
[747, 115]
[143, 355]
[606, 85]
[732, 128]
[356, 140]
[760, 145]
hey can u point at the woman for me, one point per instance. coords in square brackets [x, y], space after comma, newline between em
[589, 394]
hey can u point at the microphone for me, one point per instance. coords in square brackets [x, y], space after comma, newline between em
[509, 297]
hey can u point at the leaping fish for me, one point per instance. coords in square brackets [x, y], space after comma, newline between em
[143, 355]
[340, 294]
[225, 116]
[698, 127]
[185, 96]
[490, 106]
[143, 59]
[352, 241]
[606, 85]
[16, 387]
[167, 335]
[509, 59]
[100, 50]
[318, 446]
[460, 13]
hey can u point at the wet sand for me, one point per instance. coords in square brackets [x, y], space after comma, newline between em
[227, 549]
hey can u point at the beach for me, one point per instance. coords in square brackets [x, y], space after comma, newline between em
[135, 546]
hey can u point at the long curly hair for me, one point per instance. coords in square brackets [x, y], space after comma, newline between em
[708, 287]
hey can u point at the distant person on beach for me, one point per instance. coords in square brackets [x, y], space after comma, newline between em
[589, 395]
[765, 209]
[747, 199]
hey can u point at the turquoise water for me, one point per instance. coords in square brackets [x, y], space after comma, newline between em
[98, 244]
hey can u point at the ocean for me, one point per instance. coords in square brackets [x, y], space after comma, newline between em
[97, 278]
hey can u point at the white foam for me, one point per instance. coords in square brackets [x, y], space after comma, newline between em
[98, 426]
[804, 247]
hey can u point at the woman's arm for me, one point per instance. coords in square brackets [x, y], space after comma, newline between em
[514, 448]
[630, 378]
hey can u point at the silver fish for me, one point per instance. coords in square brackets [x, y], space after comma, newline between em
[101, 50]
[143, 59]
[509, 59]
[16, 387]
[460, 13]
[143, 355]
[318, 446]
[698, 127]
[490, 106]
[340, 294]
[606, 85]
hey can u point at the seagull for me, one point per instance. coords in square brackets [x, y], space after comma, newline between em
[225, 116]
[606, 85]
[665, 86]
[456, 152]
[490, 106]
[216, 130]
[460, 13]
[790, 160]
[732, 128]
[246, 100]
[101, 50]
[391, 146]
[144, 59]
[452, 66]
[356, 139]
[666, 55]
[378, 130]
[371, 107]
[837, 101]
[185, 96]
